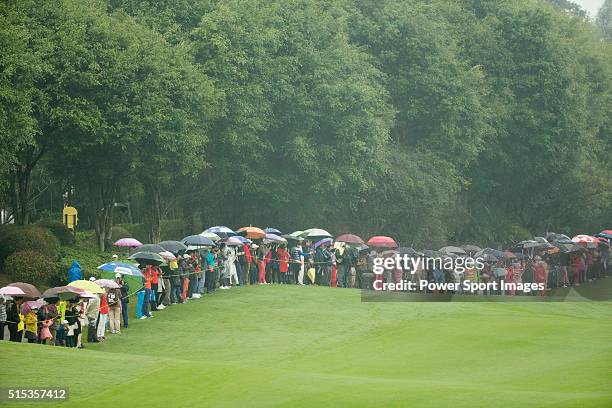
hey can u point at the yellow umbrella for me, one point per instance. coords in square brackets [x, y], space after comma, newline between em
[87, 285]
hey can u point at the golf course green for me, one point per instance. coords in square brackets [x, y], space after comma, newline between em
[320, 346]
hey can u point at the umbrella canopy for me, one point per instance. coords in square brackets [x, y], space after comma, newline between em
[569, 248]
[147, 258]
[470, 248]
[107, 283]
[197, 240]
[63, 292]
[29, 290]
[381, 241]
[528, 243]
[290, 237]
[453, 250]
[408, 251]
[210, 235]
[252, 232]
[359, 247]
[390, 253]
[173, 246]
[120, 267]
[88, 295]
[35, 304]
[315, 233]
[151, 248]
[324, 241]
[297, 234]
[11, 291]
[221, 231]
[489, 258]
[489, 251]
[604, 234]
[553, 236]
[89, 286]
[167, 255]
[584, 239]
[274, 238]
[128, 242]
[270, 230]
[431, 253]
[509, 255]
[350, 238]
[234, 241]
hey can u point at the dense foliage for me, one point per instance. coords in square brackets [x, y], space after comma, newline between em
[33, 266]
[14, 238]
[429, 121]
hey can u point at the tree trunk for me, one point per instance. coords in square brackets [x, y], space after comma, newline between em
[105, 199]
[22, 191]
[153, 222]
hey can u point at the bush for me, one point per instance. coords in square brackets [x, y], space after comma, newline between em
[137, 231]
[15, 238]
[119, 232]
[33, 267]
[61, 232]
[176, 229]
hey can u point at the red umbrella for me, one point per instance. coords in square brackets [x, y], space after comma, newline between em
[382, 241]
[29, 290]
[350, 238]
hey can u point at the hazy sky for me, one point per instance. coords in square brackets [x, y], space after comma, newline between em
[591, 6]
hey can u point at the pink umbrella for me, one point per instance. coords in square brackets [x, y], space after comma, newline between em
[350, 238]
[167, 255]
[382, 241]
[11, 291]
[128, 242]
[107, 283]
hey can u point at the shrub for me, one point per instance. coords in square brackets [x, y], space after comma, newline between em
[137, 231]
[119, 232]
[15, 238]
[61, 232]
[32, 267]
[175, 229]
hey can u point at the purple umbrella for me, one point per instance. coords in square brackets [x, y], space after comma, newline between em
[235, 240]
[324, 241]
[128, 242]
[275, 238]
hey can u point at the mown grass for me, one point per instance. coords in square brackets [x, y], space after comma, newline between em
[307, 346]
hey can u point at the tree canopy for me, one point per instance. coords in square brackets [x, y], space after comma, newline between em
[430, 121]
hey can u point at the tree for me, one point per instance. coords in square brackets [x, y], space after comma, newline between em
[604, 19]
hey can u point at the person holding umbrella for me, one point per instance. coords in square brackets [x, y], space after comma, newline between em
[125, 297]
[113, 297]
[147, 278]
[14, 319]
[92, 312]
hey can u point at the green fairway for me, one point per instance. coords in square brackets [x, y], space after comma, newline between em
[305, 346]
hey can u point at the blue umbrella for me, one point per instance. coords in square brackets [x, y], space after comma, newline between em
[120, 267]
[197, 240]
[324, 241]
[271, 230]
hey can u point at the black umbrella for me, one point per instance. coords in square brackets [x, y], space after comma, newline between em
[173, 246]
[408, 251]
[151, 248]
[197, 240]
[147, 258]
[489, 251]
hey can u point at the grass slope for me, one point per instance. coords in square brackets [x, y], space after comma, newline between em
[305, 346]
